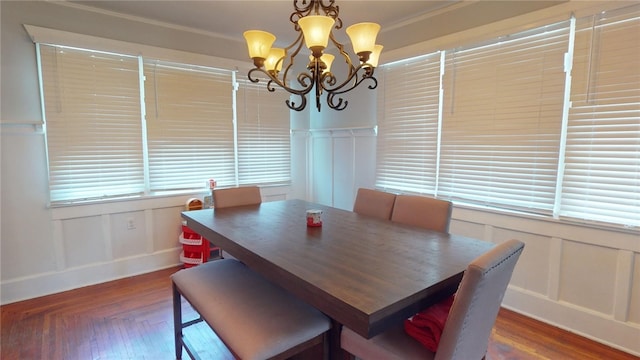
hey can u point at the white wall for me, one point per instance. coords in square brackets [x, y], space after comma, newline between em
[580, 278]
[45, 250]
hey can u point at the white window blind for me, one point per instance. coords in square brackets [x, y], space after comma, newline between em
[502, 115]
[602, 166]
[408, 107]
[93, 123]
[264, 138]
[189, 116]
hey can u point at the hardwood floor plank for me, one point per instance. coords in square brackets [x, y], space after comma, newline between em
[516, 336]
[132, 319]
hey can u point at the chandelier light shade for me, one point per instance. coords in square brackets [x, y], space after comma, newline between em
[273, 62]
[315, 21]
[375, 55]
[316, 30]
[327, 59]
[259, 43]
[363, 38]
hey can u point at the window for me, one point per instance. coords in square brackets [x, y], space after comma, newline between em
[521, 129]
[408, 137]
[189, 121]
[92, 107]
[502, 118]
[264, 134]
[602, 167]
[120, 126]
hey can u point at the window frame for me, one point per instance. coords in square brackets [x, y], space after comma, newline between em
[563, 115]
[64, 39]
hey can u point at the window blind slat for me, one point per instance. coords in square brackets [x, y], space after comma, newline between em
[408, 109]
[602, 166]
[264, 139]
[189, 126]
[95, 137]
[501, 121]
[92, 111]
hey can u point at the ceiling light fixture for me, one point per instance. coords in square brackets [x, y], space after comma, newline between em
[314, 21]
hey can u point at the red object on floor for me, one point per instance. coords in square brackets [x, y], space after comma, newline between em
[195, 248]
[427, 325]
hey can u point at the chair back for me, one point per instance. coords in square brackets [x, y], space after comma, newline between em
[477, 302]
[422, 211]
[238, 196]
[374, 203]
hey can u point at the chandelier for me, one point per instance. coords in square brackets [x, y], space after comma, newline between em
[314, 21]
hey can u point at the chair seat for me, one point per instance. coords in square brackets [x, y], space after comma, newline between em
[253, 317]
[393, 344]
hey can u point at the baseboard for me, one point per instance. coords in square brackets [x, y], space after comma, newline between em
[73, 278]
[598, 327]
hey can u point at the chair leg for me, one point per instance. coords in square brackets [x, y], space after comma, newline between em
[177, 321]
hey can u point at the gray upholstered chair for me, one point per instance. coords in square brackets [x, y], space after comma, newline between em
[468, 327]
[422, 211]
[238, 196]
[253, 317]
[374, 203]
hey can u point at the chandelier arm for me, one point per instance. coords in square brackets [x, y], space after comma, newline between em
[307, 81]
[339, 91]
[343, 88]
[333, 11]
[345, 55]
[274, 80]
[341, 105]
[298, 41]
[355, 80]
[317, 76]
[298, 45]
[292, 105]
[329, 9]
[304, 8]
[302, 11]
[327, 80]
[252, 79]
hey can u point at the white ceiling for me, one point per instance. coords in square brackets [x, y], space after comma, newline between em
[403, 22]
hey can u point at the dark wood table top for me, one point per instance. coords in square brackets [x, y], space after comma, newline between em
[364, 273]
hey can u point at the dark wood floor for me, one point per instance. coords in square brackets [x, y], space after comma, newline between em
[132, 319]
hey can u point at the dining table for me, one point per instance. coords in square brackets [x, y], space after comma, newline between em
[362, 272]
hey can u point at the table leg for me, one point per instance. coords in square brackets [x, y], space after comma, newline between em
[335, 351]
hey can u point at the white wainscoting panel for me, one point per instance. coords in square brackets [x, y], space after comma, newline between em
[322, 168]
[84, 242]
[343, 171]
[166, 222]
[95, 243]
[532, 271]
[587, 276]
[582, 279]
[634, 311]
[345, 162]
[128, 241]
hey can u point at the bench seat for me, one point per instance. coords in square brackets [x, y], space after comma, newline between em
[253, 317]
